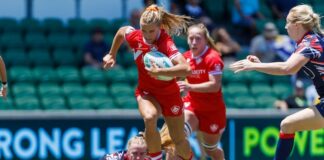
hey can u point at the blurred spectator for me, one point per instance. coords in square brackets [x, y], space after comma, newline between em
[134, 18]
[176, 6]
[225, 44]
[95, 49]
[245, 13]
[297, 100]
[311, 95]
[270, 46]
[280, 8]
[194, 9]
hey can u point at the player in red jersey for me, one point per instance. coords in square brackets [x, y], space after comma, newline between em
[155, 96]
[204, 106]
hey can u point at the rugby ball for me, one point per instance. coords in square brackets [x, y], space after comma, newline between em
[161, 60]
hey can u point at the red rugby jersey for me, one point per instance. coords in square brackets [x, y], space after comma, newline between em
[165, 45]
[207, 63]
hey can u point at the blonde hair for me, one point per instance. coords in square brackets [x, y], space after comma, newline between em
[138, 140]
[304, 14]
[171, 23]
[210, 40]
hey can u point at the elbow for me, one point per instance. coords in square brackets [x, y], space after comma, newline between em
[289, 71]
[215, 88]
[122, 31]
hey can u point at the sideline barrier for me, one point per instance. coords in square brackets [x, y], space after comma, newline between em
[250, 134]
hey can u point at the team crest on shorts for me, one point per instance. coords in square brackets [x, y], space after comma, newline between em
[175, 109]
[213, 127]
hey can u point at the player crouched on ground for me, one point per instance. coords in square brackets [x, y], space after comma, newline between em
[136, 150]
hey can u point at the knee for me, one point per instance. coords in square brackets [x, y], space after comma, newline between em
[150, 121]
[216, 153]
[286, 125]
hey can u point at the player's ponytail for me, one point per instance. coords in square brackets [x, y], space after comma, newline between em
[171, 23]
[210, 40]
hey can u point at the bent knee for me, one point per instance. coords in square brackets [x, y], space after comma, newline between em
[150, 120]
[217, 153]
[287, 125]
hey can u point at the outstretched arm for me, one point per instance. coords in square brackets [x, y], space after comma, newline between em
[291, 66]
[110, 59]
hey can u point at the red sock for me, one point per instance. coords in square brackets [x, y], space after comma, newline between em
[155, 156]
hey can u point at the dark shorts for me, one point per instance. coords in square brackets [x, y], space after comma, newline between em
[320, 108]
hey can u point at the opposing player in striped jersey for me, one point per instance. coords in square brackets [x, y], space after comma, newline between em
[136, 150]
[304, 27]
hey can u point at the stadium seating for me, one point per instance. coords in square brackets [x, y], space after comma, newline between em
[90, 74]
[68, 74]
[132, 74]
[36, 40]
[126, 102]
[116, 75]
[59, 40]
[121, 90]
[9, 25]
[44, 58]
[53, 25]
[64, 57]
[258, 89]
[53, 103]
[100, 23]
[44, 74]
[217, 12]
[24, 90]
[77, 25]
[73, 90]
[40, 58]
[16, 57]
[6, 104]
[27, 103]
[230, 77]
[79, 103]
[266, 101]
[127, 60]
[30, 25]
[20, 74]
[236, 89]
[96, 90]
[282, 90]
[49, 90]
[11, 40]
[244, 101]
[79, 40]
[103, 103]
